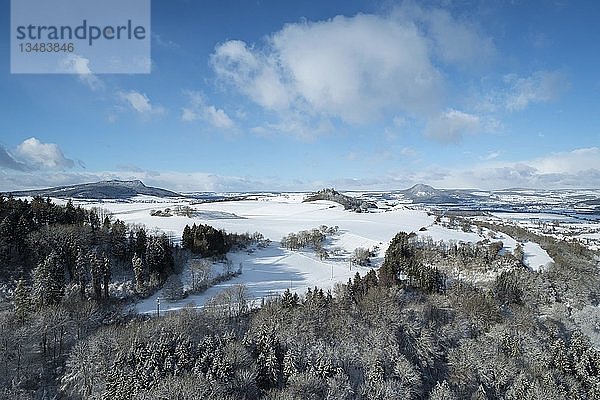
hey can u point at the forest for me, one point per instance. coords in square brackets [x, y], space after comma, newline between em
[408, 330]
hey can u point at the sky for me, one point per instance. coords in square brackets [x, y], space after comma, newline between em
[356, 95]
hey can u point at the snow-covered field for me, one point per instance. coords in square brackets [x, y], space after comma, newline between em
[273, 270]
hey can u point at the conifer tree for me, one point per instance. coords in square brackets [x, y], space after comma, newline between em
[48, 281]
[140, 242]
[106, 223]
[22, 301]
[96, 272]
[106, 274]
[138, 271]
[81, 267]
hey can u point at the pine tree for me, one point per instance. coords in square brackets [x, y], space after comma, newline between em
[141, 240]
[290, 363]
[288, 300]
[106, 274]
[94, 220]
[187, 240]
[96, 272]
[22, 301]
[118, 240]
[399, 257]
[48, 281]
[154, 254]
[138, 271]
[268, 362]
[159, 258]
[81, 267]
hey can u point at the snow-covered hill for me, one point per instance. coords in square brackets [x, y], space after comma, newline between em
[113, 189]
[274, 269]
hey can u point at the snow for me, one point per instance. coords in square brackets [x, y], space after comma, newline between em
[591, 235]
[266, 273]
[536, 258]
[273, 270]
[438, 232]
[277, 217]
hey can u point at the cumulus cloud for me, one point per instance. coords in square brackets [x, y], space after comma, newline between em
[357, 69]
[255, 75]
[351, 68]
[199, 110]
[450, 126]
[76, 64]
[37, 155]
[140, 103]
[541, 86]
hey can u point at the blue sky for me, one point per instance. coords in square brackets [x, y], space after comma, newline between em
[271, 95]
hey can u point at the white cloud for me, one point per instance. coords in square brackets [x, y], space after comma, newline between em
[541, 86]
[189, 115]
[166, 43]
[579, 168]
[218, 117]
[199, 110]
[357, 69]
[408, 152]
[295, 124]
[454, 42]
[76, 64]
[491, 155]
[450, 126]
[37, 154]
[140, 103]
[351, 68]
[574, 161]
[255, 75]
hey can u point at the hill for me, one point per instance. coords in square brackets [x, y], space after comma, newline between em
[349, 203]
[426, 194]
[113, 189]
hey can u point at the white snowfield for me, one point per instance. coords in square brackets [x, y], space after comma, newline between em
[272, 270]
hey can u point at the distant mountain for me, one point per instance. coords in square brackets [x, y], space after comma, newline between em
[426, 194]
[349, 203]
[421, 190]
[114, 189]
